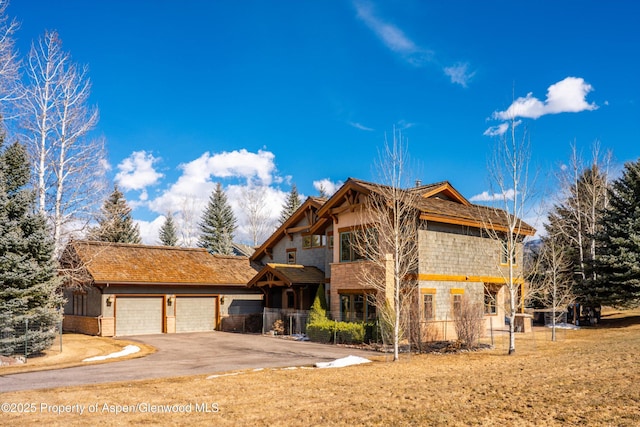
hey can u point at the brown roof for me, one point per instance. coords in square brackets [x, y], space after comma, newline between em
[117, 263]
[289, 274]
[439, 202]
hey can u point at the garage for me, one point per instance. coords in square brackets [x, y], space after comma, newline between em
[195, 313]
[139, 315]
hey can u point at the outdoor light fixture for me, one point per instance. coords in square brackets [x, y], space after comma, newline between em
[171, 299]
[222, 300]
[110, 299]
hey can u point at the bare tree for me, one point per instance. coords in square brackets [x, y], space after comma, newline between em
[469, 321]
[509, 174]
[9, 63]
[555, 286]
[253, 203]
[187, 221]
[389, 238]
[574, 220]
[69, 166]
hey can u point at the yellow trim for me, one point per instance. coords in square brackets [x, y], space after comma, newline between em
[460, 278]
[431, 291]
[456, 291]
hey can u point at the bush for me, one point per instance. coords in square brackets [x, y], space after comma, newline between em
[469, 322]
[345, 332]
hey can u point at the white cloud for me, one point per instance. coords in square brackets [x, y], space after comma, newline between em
[460, 74]
[327, 185]
[497, 130]
[188, 196]
[392, 36]
[150, 230]
[397, 41]
[137, 171]
[360, 126]
[566, 96]
[485, 196]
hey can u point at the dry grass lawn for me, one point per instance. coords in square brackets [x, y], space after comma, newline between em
[75, 348]
[588, 377]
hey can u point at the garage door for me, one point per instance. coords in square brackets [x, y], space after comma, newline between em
[138, 315]
[194, 314]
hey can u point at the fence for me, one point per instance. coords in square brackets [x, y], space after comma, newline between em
[244, 323]
[28, 337]
[284, 321]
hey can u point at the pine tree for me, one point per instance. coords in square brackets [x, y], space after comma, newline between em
[290, 205]
[618, 260]
[168, 233]
[115, 223]
[218, 224]
[28, 281]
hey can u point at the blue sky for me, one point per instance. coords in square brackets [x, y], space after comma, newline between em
[278, 92]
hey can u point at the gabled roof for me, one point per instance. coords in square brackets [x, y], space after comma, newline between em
[287, 275]
[438, 202]
[308, 210]
[117, 263]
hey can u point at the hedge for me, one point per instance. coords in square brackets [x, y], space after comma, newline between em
[324, 331]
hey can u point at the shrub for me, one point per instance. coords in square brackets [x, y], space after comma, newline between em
[318, 310]
[345, 332]
[469, 322]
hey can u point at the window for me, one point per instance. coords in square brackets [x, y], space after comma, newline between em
[330, 239]
[80, 304]
[291, 256]
[456, 301]
[427, 306]
[357, 307]
[504, 253]
[490, 298]
[314, 241]
[349, 250]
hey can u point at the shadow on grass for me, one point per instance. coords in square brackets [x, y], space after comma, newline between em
[612, 321]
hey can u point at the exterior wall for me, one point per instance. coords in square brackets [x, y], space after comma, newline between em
[453, 254]
[100, 318]
[315, 257]
[344, 277]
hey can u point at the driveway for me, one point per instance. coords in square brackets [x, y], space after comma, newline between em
[187, 354]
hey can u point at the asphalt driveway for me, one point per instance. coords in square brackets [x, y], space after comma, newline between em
[187, 354]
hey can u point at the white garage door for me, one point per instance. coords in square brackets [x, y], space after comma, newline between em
[194, 314]
[138, 315]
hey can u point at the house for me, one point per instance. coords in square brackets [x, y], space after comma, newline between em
[456, 257]
[114, 289]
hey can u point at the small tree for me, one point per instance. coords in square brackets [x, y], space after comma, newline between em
[28, 278]
[218, 224]
[508, 169]
[253, 203]
[554, 287]
[115, 223]
[389, 238]
[168, 233]
[318, 310]
[290, 205]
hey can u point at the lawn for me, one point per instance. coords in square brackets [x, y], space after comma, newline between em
[588, 377]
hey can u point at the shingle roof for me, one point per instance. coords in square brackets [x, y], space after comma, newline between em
[291, 274]
[140, 264]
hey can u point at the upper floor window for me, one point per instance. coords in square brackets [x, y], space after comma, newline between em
[352, 248]
[505, 252]
[314, 241]
[291, 256]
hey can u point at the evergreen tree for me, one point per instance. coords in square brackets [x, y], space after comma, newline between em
[28, 280]
[618, 260]
[318, 310]
[218, 224]
[115, 223]
[290, 205]
[168, 233]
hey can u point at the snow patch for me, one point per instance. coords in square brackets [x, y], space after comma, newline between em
[564, 326]
[130, 349]
[341, 363]
[224, 375]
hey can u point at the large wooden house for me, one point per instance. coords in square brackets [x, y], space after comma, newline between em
[456, 256]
